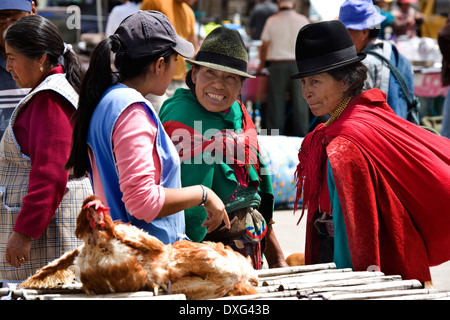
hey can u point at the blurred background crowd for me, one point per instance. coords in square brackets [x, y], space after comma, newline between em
[417, 41]
[412, 25]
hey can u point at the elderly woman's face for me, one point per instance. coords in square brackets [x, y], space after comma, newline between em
[25, 72]
[323, 93]
[215, 90]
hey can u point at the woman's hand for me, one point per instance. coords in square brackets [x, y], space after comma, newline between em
[18, 249]
[216, 212]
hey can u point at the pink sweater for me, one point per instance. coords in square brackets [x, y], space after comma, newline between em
[139, 174]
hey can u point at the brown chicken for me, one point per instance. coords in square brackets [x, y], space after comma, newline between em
[118, 257]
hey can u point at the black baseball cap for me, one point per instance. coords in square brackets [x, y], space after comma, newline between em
[147, 33]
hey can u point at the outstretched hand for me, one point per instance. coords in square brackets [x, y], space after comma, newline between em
[215, 209]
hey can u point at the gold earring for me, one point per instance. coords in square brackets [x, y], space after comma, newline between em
[41, 68]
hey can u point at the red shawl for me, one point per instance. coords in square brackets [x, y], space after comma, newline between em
[410, 173]
[238, 148]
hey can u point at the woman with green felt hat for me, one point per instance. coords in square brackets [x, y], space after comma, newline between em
[217, 142]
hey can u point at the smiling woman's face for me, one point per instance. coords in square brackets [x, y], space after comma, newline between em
[215, 90]
[323, 93]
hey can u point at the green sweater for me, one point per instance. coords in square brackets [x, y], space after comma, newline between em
[183, 110]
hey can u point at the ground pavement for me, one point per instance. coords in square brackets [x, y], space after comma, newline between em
[292, 239]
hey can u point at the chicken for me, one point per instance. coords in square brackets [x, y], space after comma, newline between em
[118, 257]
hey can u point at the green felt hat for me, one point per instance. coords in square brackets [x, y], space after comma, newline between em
[223, 50]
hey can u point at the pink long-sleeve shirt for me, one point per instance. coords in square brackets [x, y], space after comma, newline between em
[139, 173]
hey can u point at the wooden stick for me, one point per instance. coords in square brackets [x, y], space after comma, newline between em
[289, 270]
[319, 278]
[139, 295]
[396, 294]
[383, 286]
[265, 295]
[130, 297]
[301, 274]
[420, 296]
[336, 283]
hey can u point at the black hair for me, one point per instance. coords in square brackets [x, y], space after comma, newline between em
[97, 79]
[190, 84]
[33, 36]
[354, 75]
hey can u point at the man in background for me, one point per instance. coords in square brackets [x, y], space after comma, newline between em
[278, 50]
[120, 12]
[258, 16]
[10, 94]
[362, 20]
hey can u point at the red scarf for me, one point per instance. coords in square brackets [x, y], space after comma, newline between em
[413, 161]
[240, 149]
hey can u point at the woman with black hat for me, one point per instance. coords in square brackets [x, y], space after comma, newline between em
[375, 185]
[218, 146]
[119, 140]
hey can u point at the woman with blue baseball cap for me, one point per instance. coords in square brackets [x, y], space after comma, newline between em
[362, 20]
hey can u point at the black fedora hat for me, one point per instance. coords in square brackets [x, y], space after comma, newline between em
[324, 46]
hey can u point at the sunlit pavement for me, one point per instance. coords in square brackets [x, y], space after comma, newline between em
[292, 239]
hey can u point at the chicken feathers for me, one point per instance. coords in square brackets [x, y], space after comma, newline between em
[118, 257]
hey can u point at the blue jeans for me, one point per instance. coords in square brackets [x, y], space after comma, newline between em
[445, 131]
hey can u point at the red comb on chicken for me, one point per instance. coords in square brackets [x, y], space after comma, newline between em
[118, 257]
[95, 216]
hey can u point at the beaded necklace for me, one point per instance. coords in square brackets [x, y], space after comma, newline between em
[338, 111]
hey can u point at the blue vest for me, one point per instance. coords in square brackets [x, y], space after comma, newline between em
[114, 101]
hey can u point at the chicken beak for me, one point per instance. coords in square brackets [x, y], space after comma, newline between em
[98, 214]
